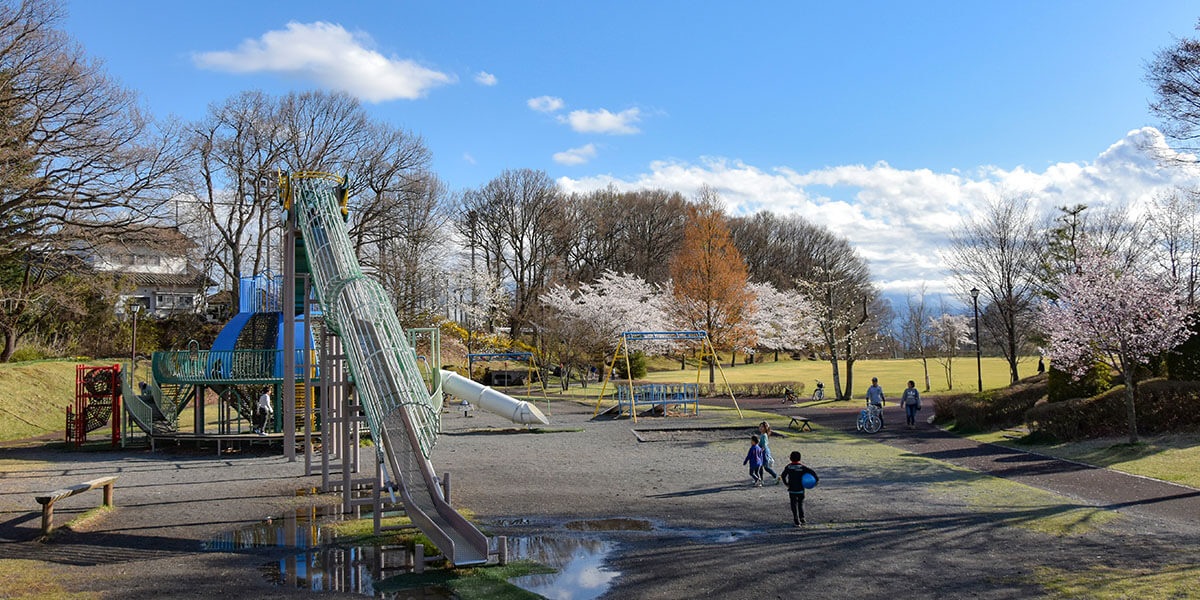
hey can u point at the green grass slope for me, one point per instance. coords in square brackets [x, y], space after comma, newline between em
[33, 396]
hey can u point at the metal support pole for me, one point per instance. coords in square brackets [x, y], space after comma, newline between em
[288, 297]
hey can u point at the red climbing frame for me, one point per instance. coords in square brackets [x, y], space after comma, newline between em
[97, 401]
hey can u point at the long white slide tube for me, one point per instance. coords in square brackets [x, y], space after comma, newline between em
[517, 411]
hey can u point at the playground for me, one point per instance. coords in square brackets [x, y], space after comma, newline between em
[319, 446]
[929, 525]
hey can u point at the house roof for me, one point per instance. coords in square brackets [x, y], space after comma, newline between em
[191, 279]
[168, 239]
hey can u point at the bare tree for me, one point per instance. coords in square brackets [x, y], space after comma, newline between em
[995, 253]
[237, 153]
[1174, 230]
[77, 153]
[1174, 75]
[513, 221]
[839, 284]
[915, 330]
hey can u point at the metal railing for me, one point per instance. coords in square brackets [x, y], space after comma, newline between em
[226, 366]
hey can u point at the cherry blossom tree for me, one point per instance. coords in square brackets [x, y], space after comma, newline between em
[586, 321]
[1117, 317]
[782, 320]
[949, 333]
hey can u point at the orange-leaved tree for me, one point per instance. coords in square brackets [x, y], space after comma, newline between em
[709, 278]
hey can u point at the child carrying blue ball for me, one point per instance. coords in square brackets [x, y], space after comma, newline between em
[795, 476]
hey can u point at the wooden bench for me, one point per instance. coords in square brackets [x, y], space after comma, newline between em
[800, 423]
[47, 500]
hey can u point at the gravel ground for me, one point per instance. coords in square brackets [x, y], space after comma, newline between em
[885, 522]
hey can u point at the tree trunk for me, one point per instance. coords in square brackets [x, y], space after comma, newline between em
[849, 379]
[732, 358]
[682, 364]
[776, 356]
[1012, 357]
[712, 360]
[837, 378]
[10, 345]
[925, 363]
[1130, 387]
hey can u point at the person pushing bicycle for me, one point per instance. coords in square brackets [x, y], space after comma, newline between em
[875, 397]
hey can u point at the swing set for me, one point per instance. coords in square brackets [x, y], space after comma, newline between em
[507, 356]
[652, 394]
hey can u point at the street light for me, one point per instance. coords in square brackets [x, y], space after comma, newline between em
[133, 342]
[978, 353]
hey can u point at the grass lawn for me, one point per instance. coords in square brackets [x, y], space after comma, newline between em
[1174, 458]
[33, 396]
[893, 374]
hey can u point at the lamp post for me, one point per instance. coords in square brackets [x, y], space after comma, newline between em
[978, 352]
[133, 343]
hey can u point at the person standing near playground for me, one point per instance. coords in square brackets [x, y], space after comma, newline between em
[764, 432]
[875, 397]
[754, 458]
[912, 403]
[264, 410]
[793, 476]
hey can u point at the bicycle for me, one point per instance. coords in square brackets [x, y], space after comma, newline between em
[819, 393]
[789, 396]
[870, 419]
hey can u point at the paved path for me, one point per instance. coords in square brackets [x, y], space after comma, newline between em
[1097, 486]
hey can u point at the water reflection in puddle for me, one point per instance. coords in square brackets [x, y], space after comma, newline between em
[355, 570]
[581, 572]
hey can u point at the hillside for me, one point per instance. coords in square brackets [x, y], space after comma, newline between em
[33, 396]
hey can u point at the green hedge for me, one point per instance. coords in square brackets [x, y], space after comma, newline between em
[1162, 406]
[1061, 387]
[991, 409]
[751, 390]
[1183, 363]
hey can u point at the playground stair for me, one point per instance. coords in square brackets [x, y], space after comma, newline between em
[301, 392]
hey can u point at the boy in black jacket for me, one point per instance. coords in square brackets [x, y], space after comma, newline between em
[793, 476]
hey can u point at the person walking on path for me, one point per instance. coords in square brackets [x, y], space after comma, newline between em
[875, 397]
[912, 403]
[793, 476]
[264, 410]
[764, 432]
[754, 458]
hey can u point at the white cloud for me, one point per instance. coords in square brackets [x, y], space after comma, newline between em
[546, 104]
[485, 78]
[899, 219]
[576, 156]
[468, 158]
[603, 121]
[331, 56]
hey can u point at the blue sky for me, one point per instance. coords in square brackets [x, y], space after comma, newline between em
[856, 115]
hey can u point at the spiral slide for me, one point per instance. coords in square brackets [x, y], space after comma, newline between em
[404, 417]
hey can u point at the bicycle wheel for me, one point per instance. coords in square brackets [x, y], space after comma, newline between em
[873, 424]
[818, 396]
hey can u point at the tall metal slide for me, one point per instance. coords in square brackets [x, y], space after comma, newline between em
[404, 417]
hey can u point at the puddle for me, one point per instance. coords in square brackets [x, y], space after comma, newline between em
[728, 537]
[298, 529]
[356, 570]
[610, 525]
[580, 562]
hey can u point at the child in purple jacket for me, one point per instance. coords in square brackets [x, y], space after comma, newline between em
[754, 458]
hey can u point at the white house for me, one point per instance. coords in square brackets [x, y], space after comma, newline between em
[156, 261]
